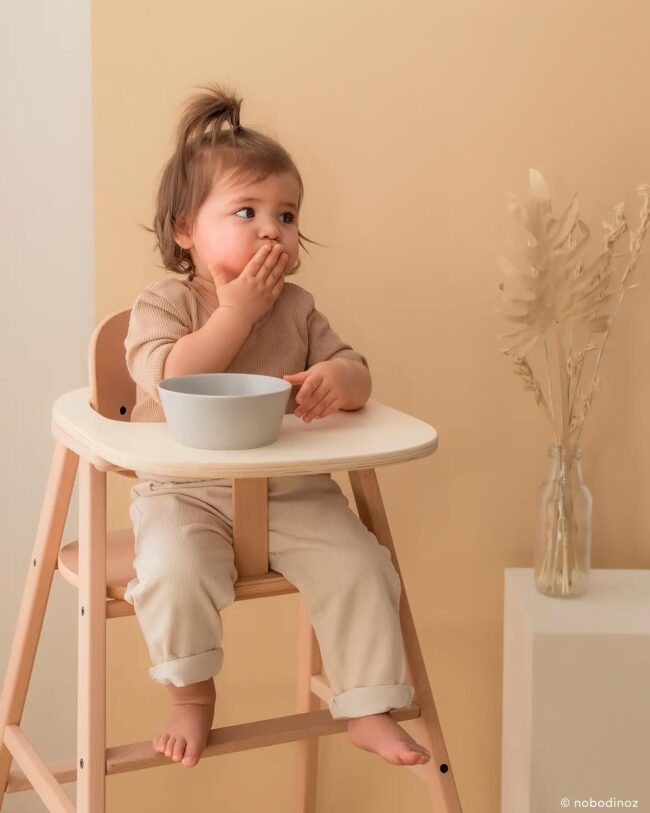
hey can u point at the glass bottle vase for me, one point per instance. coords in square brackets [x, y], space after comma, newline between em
[563, 548]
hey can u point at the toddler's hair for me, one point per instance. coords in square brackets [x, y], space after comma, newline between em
[203, 148]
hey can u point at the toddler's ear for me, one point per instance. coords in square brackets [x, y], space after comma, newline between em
[182, 235]
[183, 241]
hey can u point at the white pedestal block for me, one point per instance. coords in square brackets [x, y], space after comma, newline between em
[576, 695]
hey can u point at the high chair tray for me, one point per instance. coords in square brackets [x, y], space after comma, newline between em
[375, 435]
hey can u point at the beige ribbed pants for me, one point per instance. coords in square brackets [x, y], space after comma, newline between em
[185, 571]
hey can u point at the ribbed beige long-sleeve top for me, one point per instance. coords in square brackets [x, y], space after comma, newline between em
[290, 337]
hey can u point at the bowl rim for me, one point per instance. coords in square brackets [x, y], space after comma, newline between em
[287, 386]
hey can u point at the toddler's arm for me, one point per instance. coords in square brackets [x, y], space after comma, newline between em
[211, 348]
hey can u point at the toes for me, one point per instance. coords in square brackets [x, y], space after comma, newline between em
[191, 757]
[179, 750]
[413, 754]
[169, 750]
[160, 743]
[421, 758]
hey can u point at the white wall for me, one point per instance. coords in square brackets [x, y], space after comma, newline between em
[47, 313]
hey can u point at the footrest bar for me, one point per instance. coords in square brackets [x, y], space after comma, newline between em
[243, 737]
[226, 740]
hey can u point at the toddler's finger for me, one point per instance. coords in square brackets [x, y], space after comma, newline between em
[277, 273]
[217, 276]
[308, 401]
[308, 387]
[318, 406]
[270, 262]
[257, 261]
[327, 408]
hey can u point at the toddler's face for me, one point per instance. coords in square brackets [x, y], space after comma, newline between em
[236, 220]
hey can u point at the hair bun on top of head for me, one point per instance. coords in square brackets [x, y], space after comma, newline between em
[204, 117]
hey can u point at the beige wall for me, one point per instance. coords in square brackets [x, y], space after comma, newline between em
[408, 121]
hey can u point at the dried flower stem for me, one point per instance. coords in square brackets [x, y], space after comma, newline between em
[550, 390]
[556, 574]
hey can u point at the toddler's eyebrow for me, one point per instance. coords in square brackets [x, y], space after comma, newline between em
[258, 200]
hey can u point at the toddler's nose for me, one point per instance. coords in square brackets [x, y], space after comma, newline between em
[270, 231]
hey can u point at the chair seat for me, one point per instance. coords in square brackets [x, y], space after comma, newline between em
[120, 552]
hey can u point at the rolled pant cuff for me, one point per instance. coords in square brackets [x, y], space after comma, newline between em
[192, 669]
[366, 700]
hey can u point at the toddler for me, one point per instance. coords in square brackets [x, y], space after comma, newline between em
[226, 225]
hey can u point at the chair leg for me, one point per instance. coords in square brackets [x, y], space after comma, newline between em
[437, 772]
[43, 562]
[91, 683]
[250, 525]
[309, 663]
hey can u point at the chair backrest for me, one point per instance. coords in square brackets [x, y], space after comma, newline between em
[112, 390]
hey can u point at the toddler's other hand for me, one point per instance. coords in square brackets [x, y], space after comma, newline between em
[324, 389]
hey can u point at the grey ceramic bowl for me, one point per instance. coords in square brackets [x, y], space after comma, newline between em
[224, 410]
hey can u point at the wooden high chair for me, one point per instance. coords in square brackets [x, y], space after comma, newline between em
[93, 431]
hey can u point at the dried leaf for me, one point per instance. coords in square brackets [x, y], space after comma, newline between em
[547, 282]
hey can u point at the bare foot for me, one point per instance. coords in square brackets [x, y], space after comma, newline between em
[184, 736]
[380, 734]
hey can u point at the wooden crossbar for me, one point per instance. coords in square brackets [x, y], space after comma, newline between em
[37, 774]
[225, 740]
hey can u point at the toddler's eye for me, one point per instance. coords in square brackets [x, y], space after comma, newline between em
[291, 216]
